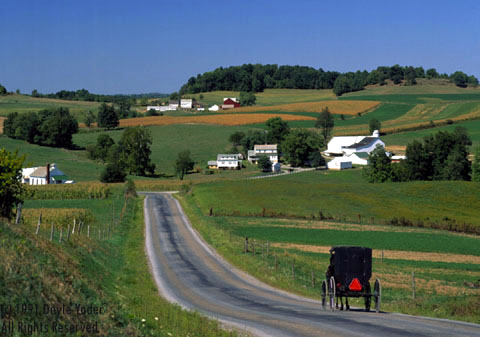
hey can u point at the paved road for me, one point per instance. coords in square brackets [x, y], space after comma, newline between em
[189, 272]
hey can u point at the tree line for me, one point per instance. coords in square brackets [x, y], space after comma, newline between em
[85, 95]
[442, 156]
[257, 77]
[49, 127]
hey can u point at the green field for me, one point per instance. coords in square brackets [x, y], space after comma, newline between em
[22, 103]
[344, 196]
[268, 97]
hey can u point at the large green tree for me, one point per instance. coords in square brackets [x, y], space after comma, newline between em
[325, 123]
[374, 124]
[264, 163]
[107, 117]
[11, 188]
[247, 98]
[135, 145]
[379, 168]
[56, 128]
[236, 138]
[183, 164]
[3, 90]
[298, 146]
[101, 148]
[277, 129]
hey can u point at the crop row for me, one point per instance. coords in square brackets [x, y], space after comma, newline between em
[67, 191]
[61, 217]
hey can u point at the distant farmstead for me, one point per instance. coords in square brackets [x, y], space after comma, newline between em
[226, 161]
[269, 150]
[339, 146]
[230, 103]
[44, 175]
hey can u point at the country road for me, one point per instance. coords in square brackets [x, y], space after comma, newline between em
[188, 271]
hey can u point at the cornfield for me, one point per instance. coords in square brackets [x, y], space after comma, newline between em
[61, 217]
[164, 185]
[335, 107]
[89, 190]
[1, 124]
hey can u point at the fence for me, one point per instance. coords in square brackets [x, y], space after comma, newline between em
[280, 174]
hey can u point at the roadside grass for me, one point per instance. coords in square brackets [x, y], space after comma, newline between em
[22, 103]
[440, 291]
[344, 196]
[112, 273]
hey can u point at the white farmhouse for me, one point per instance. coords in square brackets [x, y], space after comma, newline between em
[186, 103]
[338, 146]
[339, 163]
[229, 161]
[358, 158]
[43, 175]
[269, 150]
[214, 108]
[173, 104]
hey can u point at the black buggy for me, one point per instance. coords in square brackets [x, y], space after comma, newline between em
[348, 275]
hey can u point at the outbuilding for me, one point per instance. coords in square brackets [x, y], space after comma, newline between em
[339, 163]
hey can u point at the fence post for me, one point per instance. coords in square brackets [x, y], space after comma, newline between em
[60, 238]
[268, 247]
[38, 224]
[276, 264]
[382, 255]
[99, 234]
[88, 231]
[293, 269]
[413, 285]
[51, 233]
[245, 246]
[68, 233]
[19, 213]
[313, 280]
[74, 223]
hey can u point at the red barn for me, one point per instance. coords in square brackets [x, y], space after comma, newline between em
[230, 103]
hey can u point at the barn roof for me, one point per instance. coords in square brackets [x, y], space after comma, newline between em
[364, 142]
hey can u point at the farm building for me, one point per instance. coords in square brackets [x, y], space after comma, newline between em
[173, 104]
[358, 158]
[160, 108]
[44, 175]
[338, 146]
[276, 167]
[229, 161]
[339, 163]
[230, 103]
[186, 103]
[270, 150]
[212, 164]
[214, 108]
[397, 159]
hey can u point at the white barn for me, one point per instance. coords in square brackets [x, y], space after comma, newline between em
[351, 144]
[229, 161]
[214, 108]
[339, 163]
[186, 103]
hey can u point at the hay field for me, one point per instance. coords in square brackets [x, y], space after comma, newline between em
[222, 119]
[351, 108]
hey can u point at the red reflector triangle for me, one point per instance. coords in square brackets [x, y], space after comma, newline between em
[355, 285]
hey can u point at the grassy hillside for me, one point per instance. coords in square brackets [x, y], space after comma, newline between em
[268, 97]
[111, 274]
[22, 103]
[344, 196]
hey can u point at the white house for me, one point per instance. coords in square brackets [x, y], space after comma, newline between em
[269, 150]
[229, 161]
[338, 146]
[200, 109]
[161, 108]
[339, 163]
[186, 103]
[214, 108]
[40, 176]
[173, 105]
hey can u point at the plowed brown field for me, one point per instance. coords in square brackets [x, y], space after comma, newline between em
[335, 107]
[223, 119]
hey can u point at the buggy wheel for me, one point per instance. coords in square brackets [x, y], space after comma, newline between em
[368, 299]
[331, 292]
[377, 291]
[324, 294]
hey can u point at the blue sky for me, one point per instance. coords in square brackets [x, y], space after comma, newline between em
[109, 46]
